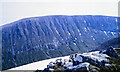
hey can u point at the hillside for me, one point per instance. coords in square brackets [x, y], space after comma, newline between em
[115, 42]
[33, 39]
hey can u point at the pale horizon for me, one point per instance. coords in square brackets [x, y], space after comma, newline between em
[13, 11]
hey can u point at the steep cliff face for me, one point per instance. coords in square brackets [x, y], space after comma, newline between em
[33, 39]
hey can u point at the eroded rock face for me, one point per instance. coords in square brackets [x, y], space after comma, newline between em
[33, 39]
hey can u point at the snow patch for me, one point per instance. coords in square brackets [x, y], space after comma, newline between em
[105, 33]
[74, 43]
[85, 29]
[84, 21]
[78, 30]
[75, 38]
[69, 33]
[112, 33]
[116, 20]
[93, 38]
[80, 34]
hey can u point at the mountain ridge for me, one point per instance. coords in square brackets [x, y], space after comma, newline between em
[54, 15]
[30, 40]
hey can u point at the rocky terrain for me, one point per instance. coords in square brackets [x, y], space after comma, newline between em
[33, 39]
[96, 61]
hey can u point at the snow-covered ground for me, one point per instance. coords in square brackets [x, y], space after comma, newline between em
[40, 65]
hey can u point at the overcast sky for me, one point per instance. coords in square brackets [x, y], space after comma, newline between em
[12, 10]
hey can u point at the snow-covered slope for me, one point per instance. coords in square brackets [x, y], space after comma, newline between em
[40, 65]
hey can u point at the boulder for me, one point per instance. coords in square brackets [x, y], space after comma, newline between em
[59, 62]
[79, 67]
[50, 65]
[76, 58]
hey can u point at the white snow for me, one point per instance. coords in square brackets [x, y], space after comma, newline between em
[80, 34]
[75, 38]
[84, 21]
[68, 33]
[93, 38]
[107, 65]
[57, 32]
[85, 64]
[78, 30]
[85, 29]
[112, 33]
[116, 20]
[40, 65]
[78, 58]
[74, 43]
[105, 33]
[51, 64]
[96, 56]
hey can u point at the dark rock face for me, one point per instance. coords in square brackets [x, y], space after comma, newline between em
[115, 42]
[111, 52]
[33, 39]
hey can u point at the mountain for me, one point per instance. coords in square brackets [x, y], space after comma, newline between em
[33, 39]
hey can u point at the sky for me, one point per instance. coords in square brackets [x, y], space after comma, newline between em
[13, 10]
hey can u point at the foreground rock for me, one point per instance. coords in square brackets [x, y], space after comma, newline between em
[89, 62]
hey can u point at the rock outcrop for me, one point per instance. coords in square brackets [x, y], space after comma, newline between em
[110, 52]
[91, 61]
